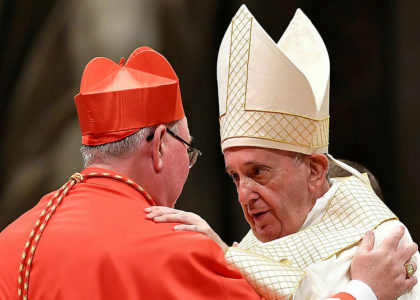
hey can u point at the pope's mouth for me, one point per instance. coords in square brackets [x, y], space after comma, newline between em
[259, 216]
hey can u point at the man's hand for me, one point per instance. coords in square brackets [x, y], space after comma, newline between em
[191, 222]
[383, 268]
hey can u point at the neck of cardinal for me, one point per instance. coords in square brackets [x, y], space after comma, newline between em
[130, 167]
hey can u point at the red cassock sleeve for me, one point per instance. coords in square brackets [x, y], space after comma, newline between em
[343, 296]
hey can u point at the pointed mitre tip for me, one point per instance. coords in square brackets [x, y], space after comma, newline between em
[299, 15]
[299, 11]
[242, 12]
[244, 9]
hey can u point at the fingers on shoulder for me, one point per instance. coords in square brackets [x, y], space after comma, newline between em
[154, 211]
[405, 252]
[409, 283]
[368, 242]
[187, 227]
[394, 238]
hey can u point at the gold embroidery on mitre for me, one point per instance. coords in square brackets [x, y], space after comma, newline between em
[353, 209]
[238, 122]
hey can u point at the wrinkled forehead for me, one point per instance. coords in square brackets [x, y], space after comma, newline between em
[242, 156]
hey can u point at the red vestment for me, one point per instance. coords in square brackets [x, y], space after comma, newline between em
[98, 245]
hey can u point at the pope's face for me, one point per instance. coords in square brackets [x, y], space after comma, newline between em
[272, 188]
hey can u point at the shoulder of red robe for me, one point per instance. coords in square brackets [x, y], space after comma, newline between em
[342, 296]
[117, 100]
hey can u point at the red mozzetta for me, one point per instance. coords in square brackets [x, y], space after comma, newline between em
[98, 245]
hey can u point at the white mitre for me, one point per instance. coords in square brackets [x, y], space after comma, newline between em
[273, 95]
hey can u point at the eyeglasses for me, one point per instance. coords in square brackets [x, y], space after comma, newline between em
[193, 153]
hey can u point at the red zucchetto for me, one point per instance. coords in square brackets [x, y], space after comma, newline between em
[115, 100]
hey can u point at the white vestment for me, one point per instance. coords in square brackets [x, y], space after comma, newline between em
[315, 262]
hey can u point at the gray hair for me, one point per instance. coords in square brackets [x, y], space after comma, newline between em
[102, 154]
[299, 157]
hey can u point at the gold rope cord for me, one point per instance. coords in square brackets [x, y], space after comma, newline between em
[45, 216]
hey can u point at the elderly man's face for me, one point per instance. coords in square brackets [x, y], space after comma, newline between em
[272, 187]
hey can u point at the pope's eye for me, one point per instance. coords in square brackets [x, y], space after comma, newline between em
[260, 174]
[234, 176]
[257, 171]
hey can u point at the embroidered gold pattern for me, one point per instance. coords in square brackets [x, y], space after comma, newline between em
[77, 177]
[275, 126]
[27, 258]
[353, 210]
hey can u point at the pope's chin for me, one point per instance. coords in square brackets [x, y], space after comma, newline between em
[265, 233]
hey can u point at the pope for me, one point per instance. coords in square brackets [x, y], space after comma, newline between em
[274, 128]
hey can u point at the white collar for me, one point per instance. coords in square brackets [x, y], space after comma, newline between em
[321, 204]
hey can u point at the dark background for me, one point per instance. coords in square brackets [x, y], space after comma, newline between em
[374, 49]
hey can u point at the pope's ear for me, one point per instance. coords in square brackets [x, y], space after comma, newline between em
[157, 143]
[318, 166]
